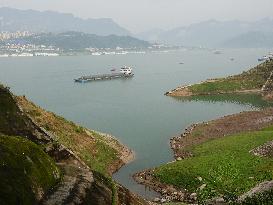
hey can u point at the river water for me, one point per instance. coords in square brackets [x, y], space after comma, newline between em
[134, 110]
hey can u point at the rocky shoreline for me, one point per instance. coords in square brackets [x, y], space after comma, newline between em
[221, 127]
[175, 145]
[181, 91]
[168, 193]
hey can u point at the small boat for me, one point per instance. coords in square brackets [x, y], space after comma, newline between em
[217, 52]
[181, 63]
[269, 56]
[264, 58]
[232, 59]
[113, 70]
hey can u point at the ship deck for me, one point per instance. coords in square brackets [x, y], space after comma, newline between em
[102, 77]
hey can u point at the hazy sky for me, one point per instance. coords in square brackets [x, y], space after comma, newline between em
[140, 15]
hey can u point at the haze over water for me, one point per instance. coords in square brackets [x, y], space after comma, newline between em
[134, 110]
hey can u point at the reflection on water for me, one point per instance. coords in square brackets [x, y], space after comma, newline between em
[253, 100]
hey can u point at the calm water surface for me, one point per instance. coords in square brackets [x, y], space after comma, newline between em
[134, 110]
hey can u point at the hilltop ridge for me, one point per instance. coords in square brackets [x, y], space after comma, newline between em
[49, 21]
[214, 33]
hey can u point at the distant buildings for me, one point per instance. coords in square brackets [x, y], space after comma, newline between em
[11, 45]
[4, 35]
[27, 50]
[46, 54]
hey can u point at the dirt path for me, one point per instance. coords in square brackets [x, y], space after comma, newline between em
[71, 190]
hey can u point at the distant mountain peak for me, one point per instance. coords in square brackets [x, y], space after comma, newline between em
[51, 21]
[215, 33]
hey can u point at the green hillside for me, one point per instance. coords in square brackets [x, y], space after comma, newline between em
[26, 171]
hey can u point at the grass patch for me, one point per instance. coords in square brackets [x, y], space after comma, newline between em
[213, 87]
[25, 171]
[270, 128]
[225, 165]
[100, 160]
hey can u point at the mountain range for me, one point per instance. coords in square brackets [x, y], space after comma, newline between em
[78, 40]
[49, 21]
[213, 33]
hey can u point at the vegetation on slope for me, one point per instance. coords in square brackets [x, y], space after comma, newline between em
[250, 80]
[99, 152]
[26, 172]
[255, 78]
[225, 166]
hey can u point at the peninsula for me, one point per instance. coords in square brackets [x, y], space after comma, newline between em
[255, 80]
